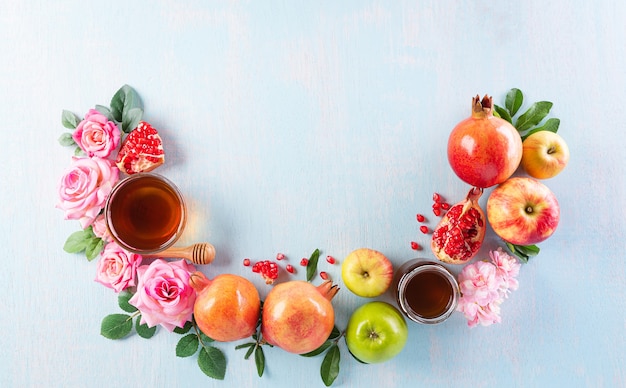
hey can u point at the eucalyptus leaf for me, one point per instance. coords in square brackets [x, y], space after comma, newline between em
[533, 116]
[311, 267]
[69, 119]
[330, 365]
[185, 329]
[259, 360]
[116, 326]
[143, 329]
[66, 140]
[551, 125]
[187, 346]
[212, 362]
[123, 299]
[513, 101]
[503, 114]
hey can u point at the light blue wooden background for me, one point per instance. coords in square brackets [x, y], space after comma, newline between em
[295, 125]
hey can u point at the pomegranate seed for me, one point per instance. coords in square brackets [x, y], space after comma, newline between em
[280, 256]
[246, 262]
[445, 205]
[424, 229]
[437, 205]
[324, 275]
[290, 268]
[304, 262]
[415, 245]
[437, 212]
[330, 259]
[268, 269]
[420, 218]
[436, 197]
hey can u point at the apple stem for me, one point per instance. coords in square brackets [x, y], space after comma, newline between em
[551, 150]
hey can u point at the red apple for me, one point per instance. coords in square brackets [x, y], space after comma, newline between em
[544, 154]
[523, 211]
[366, 272]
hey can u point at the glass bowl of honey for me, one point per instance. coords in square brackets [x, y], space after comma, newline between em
[426, 292]
[145, 213]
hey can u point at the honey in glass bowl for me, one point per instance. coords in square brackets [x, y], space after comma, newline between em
[145, 213]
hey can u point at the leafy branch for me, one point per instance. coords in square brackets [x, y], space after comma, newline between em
[211, 360]
[118, 326]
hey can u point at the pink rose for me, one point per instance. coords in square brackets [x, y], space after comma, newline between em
[100, 229]
[117, 267]
[84, 188]
[164, 295]
[96, 135]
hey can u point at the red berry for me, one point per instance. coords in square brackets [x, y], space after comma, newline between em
[436, 197]
[246, 262]
[290, 268]
[415, 245]
[420, 218]
[324, 275]
[424, 229]
[330, 259]
[304, 262]
[280, 256]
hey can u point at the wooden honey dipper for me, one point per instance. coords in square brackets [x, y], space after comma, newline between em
[199, 253]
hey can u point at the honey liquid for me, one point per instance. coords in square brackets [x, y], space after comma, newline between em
[146, 213]
[428, 294]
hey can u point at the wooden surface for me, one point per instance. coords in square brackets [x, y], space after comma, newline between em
[295, 125]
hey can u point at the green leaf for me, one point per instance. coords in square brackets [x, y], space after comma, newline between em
[533, 115]
[77, 242]
[131, 119]
[319, 350]
[311, 267]
[143, 330]
[78, 151]
[185, 329]
[116, 326]
[212, 362]
[249, 352]
[125, 100]
[94, 247]
[330, 365]
[187, 346]
[249, 345]
[105, 111]
[551, 125]
[122, 300]
[503, 114]
[259, 360]
[335, 333]
[513, 101]
[205, 339]
[69, 119]
[66, 140]
[523, 252]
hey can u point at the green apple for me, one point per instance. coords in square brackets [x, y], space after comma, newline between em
[366, 272]
[376, 332]
[545, 154]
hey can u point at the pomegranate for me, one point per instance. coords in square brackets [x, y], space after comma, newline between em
[460, 233]
[141, 151]
[484, 150]
[297, 316]
[227, 308]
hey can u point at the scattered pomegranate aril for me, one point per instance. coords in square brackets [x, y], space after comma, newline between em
[304, 262]
[280, 256]
[330, 260]
[437, 205]
[268, 269]
[246, 262]
[415, 246]
[445, 206]
[424, 229]
[324, 275]
[420, 218]
[290, 268]
[436, 197]
[437, 212]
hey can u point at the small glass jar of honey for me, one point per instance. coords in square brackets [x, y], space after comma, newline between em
[145, 213]
[426, 292]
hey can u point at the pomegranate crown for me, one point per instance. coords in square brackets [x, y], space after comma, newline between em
[482, 108]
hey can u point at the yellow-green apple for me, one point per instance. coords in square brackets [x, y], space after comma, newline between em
[544, 154]
[523, 211]
[367, 272]
[376, 332]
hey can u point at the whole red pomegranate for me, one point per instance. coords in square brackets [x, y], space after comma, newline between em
[460, 233]
[227, 308]
[297, 316]
[484, 150]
